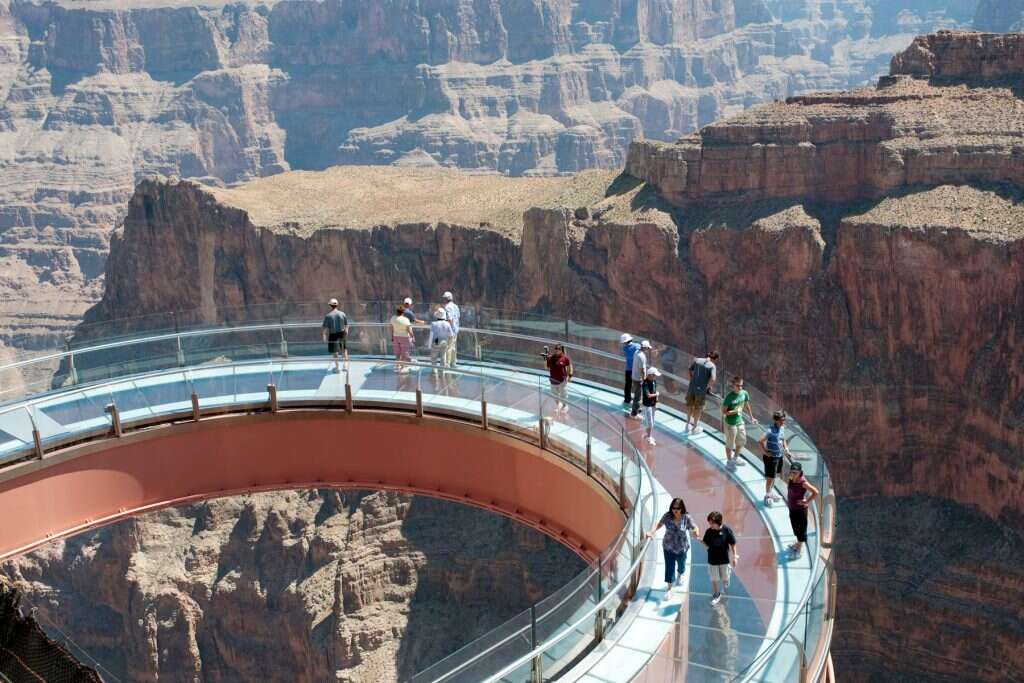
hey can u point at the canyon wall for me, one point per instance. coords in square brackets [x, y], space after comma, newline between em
[884, 309]
[96, 95]
[301, 585]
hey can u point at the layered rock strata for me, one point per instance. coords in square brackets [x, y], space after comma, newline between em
[884, 309]
[302, 585]
[95, 95]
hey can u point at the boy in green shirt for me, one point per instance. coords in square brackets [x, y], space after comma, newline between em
[732, 411]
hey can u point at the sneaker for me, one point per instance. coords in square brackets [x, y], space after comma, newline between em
[627, 403]
[730, 464]
[716, 598]
[767, 501]
[631, 416]
[698, 429]
[794, 553]
[775, 497]
[651, 441]
[738, 462]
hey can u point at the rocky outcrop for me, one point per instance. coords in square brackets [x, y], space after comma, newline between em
[861, 144]
[890, 324]
[301, 585]
[95, 96]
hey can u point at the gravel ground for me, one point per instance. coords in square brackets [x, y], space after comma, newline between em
[368, 196]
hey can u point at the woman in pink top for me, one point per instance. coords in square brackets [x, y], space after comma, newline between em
[798, 500]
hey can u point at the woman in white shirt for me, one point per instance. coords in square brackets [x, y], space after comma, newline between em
[401, 339]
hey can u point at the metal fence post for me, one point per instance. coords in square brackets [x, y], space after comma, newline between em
[195, 407]
[348, 396]
[536, 667]
[115, 418]
[284, 342]
[272, 396]
[181, 353]
[483, 414]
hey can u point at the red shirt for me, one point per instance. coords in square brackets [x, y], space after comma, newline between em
[558, 367]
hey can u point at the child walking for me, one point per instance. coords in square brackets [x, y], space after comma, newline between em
[649, 396]
[719, 540]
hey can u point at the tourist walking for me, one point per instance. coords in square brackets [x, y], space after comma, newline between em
[732, 414]
[640, 365]
[440, 336]
[401, 339]
[649, 391]
[629, 349]
[676, 543]
[453, 315]
[773, 446]
[719, 540]
[559, 374]
[796, 497]
[703, 375]
[334, 331]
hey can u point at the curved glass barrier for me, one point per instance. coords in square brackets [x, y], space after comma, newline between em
[154, 365]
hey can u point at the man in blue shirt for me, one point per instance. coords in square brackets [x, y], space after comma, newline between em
[629, 349]
[774, 445]
[334, 331]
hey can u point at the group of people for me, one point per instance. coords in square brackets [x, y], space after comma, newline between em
[640, 397]
[442, 339]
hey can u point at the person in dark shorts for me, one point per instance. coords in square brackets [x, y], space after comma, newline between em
[676, 544]
[719, 540]
[798, 501]
[703, 375]
[629, 349]
[334, 331]
[773, 446]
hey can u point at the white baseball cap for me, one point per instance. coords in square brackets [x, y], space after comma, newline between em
[332, 302]
[625, 337]
[645, 344]
[439, 314]
[654, 371]
[407, 301]
[447, 295]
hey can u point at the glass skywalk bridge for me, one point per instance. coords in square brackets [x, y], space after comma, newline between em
[608, 623]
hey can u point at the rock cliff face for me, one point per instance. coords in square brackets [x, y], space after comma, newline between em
[884, 308]
[95, 95]
[302, 585]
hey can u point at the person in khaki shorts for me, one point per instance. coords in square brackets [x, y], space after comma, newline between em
[719, 540]
[732, 415]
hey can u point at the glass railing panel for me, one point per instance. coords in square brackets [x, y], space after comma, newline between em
[164, 393]
[58, 417]
[780, 665]
[477, 660]
[815, 610]
[131, 358]
[562, 610]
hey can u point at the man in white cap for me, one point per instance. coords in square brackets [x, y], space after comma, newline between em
[649, 389]
[334, 331]
[452, 314]
[629, 349]
[407, 302]
[640, 365]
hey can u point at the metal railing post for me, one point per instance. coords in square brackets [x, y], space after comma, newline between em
[536, 667]
[284, 342]
[37, 439]
[419, 402]
[272, 396]
[72, 372]
[181, 353]
[483, 415]
[195, 407]
[590, 456]
[348, 396]
[115, 418]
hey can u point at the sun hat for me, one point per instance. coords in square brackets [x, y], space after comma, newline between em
[439, 314]
[407, 301]
[332, 302]
[654, 371]
[625, 337]
[645, 344]
[447, 296]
